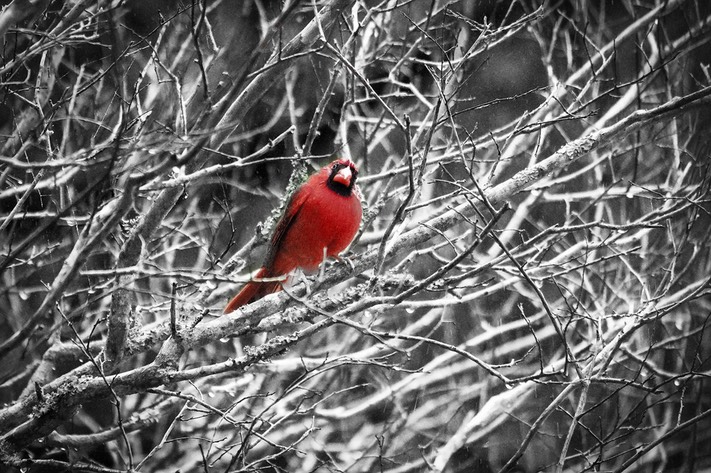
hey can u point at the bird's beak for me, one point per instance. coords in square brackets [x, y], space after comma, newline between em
[344, 176]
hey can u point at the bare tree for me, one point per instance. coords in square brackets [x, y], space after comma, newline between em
[529, 289]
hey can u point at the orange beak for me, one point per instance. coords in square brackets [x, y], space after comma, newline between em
[344, 176]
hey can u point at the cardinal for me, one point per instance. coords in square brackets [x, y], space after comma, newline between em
[320, 221]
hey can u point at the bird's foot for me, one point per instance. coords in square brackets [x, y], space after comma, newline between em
[302, 276]
[345, 261]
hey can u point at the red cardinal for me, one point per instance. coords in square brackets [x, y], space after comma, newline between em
[320, 220]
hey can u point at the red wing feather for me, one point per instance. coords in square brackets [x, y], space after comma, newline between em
[291, 212]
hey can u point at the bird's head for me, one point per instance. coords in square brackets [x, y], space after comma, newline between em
[342, 175]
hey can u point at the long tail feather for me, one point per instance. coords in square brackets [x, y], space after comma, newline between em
[253, 291]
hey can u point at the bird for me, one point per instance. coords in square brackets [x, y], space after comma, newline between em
[320, 220]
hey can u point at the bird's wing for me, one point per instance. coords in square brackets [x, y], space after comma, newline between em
[291, 212]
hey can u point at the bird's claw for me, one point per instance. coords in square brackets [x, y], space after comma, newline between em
[306, 283]
[346, 261]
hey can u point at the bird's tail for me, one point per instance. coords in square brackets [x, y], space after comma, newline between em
[254, 290]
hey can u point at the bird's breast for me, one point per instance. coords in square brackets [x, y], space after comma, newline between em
[325, 225]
